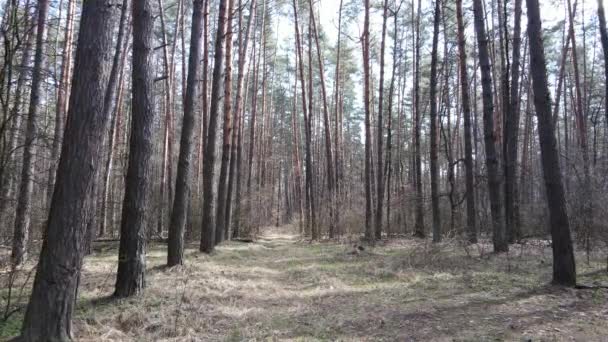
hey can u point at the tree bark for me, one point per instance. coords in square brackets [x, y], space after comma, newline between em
[419, 225]
[220, 222]
[49, 312]
[496, 207]
[238, 110]
[468, 144]
[604, 38]
[329, 156]
[209, 222]
[130, 278]
[434, 136]
[175, 252]
[564, 268]
[369, 233]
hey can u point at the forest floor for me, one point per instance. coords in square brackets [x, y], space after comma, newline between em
[282, 288]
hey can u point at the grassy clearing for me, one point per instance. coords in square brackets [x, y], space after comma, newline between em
[280, 288]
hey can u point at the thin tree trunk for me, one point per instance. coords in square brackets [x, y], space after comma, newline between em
[116, 78]
[468, 144]
[24, 201]
[581, 125]
[208, 222]
[238, 110]
[220, 222]
[369, 233]
[434, 136]
[496, 207]
[604, 38]
[175, 252]
[328, 140]
[310, 215]
[63, 95]
[419, 225]
[7, 182]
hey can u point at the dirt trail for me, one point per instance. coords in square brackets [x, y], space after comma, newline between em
[283, 288]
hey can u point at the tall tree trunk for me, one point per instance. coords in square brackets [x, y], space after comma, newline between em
[115, 84]
[169, 106]
[116, 75]
[328, 140]
[63, 95]
[419, 225]
[310, 214]
[564, 268]
[434, 135]
[468, 144]
[581, 125]
[28, 169]
[220, 221]
[175, 252]
[512, 134]
[604, 38]
[380, 130]
[499, 234]
[7, 182]
[130, 278]
[208, 222]
[49, 312]
[369, 233]
[238, 110]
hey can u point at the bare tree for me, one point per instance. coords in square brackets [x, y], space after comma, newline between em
[24, 201]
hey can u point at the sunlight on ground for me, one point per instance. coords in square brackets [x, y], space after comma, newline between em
[283, 288]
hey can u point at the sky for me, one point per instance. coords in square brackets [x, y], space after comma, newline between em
[552, 11]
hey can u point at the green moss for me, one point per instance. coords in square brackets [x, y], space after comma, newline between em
[11, 327]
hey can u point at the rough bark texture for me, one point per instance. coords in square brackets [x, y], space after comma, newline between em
[49, 312]
[238, 113]
[179, 213]
[512, 134]
[419, 225]
[220, 222]
[130, 279]
[468, 144]
[499, 234]
[564, 268]
[208, 222]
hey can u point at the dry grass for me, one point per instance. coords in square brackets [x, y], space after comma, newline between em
[280, 288]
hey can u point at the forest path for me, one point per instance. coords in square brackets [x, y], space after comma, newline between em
[283, 288]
